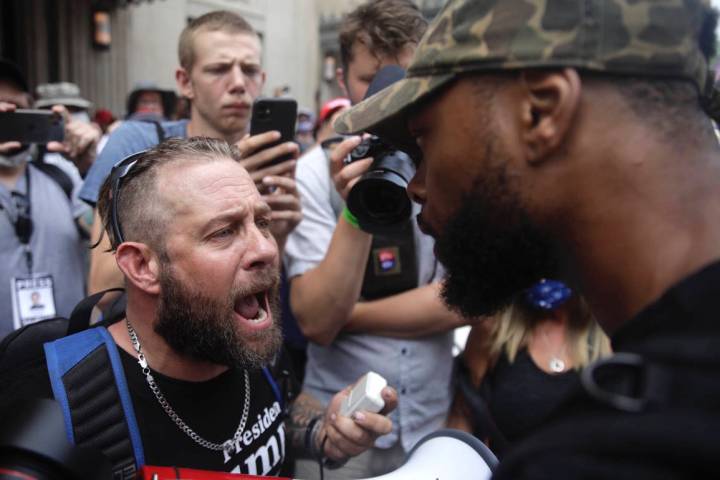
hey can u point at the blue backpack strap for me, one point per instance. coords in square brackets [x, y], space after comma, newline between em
[275, 387]
[66, 355]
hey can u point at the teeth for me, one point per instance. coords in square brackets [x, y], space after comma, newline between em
[261, 316]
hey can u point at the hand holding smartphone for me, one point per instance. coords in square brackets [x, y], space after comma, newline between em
[278, 114]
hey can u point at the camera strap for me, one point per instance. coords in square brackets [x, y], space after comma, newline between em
[392, 264]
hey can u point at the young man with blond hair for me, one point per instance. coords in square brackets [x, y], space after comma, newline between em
[221, 74]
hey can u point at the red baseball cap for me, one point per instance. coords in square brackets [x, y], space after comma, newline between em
[332, 106]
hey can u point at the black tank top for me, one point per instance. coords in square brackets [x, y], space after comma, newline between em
[520, 396]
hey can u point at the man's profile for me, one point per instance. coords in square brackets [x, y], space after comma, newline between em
[574, 141]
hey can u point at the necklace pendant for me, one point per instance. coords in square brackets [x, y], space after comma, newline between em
[556, 365]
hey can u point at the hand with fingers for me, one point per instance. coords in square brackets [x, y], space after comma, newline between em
[343, 437]
[284, 200]
[81, 139]
[346, 176]
[8, 147]
[258, 158]
[276, 181]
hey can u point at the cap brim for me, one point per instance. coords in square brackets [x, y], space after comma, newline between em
[68, 102]
[385, 113]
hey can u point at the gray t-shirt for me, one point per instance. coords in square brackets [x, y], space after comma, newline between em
[56, 245]
[418, 368]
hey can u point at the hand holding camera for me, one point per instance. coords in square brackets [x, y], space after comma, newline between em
[80, 140]
[372, 177]
[75, 139]
[7, 147]
[345, 175]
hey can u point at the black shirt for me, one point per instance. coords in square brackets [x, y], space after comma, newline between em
[677, 432]
[211, 408]
[520, 396]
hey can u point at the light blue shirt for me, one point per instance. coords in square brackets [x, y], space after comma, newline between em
[419, 369]
[130, 137]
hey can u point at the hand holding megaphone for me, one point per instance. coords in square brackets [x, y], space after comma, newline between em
[348, 435]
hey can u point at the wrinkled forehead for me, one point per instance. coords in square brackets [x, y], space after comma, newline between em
[201, 185]
[211, 45]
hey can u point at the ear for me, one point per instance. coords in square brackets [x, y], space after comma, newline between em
[551, 103]
[184, 83]
[340, 77]
[140, 265]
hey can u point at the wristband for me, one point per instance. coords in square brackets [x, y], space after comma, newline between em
[350, 218]
[310, 433]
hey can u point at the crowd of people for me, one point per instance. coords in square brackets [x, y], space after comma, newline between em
[564, 203]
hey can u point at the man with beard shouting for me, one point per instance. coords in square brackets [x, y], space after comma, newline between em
[191, 234]
[571, 140]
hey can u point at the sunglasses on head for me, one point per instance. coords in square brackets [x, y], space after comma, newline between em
[119, 171]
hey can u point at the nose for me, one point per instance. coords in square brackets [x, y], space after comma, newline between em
[237, 79]
[261, 250]
[416, 187]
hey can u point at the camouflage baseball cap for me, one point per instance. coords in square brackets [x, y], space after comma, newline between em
[627, 37]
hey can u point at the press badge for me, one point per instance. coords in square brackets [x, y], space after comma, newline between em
[33, 299]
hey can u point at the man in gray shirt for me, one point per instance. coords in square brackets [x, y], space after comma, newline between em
[407, 336]
[41, 249]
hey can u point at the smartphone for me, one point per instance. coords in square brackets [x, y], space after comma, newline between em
[31, 126]
[275, 114]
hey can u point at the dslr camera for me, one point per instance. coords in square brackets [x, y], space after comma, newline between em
[379, 199]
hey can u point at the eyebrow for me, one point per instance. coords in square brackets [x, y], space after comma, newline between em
[260, 209]
[224, 218]
[230, 61]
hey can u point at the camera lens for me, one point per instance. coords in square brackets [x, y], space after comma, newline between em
[383, 202]
[379, 200]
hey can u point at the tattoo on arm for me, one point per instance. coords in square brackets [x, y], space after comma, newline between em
[302, 411]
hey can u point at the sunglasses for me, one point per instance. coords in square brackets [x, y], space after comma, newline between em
[119, 171]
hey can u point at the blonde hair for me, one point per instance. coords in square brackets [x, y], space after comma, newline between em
[220, 20]
[511, 332]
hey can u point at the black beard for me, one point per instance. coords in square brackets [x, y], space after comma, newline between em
[203, 328]
[492, 250]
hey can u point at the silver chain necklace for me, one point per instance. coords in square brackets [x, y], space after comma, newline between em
[556, 363]
[227, 445]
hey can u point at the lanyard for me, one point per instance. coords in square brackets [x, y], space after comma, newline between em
[23, 220]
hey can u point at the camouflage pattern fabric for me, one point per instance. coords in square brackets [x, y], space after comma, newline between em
[628, 37]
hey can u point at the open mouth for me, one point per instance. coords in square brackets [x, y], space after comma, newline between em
[253, 308]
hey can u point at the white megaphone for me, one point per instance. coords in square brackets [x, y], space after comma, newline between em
[446, 455]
